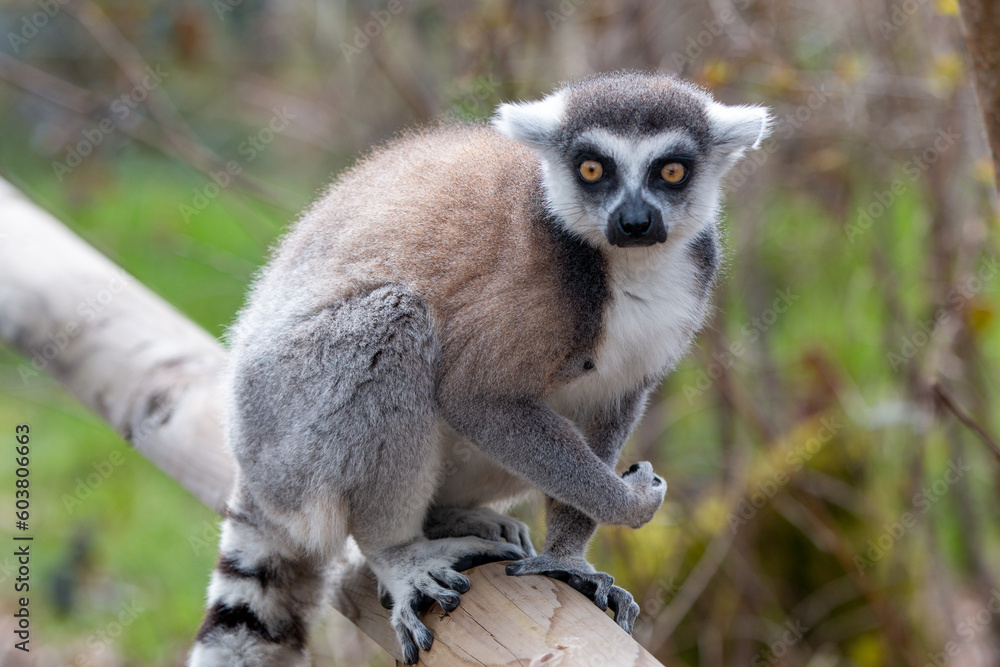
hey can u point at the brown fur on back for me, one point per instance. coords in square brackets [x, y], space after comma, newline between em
[457, 215]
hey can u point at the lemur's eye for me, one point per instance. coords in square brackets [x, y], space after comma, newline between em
[591, 170]
[674, 173]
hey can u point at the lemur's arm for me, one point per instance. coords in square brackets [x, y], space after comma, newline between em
[531, 440]
[567, 530]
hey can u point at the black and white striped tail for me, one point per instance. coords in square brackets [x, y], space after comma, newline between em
[259, 602]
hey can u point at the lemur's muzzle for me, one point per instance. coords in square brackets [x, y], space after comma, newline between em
[635, 223]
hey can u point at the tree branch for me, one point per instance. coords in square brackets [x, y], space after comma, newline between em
[981, 22]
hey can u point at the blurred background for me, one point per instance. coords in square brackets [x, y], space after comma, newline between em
[830, 442]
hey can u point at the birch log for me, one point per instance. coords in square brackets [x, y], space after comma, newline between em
[153, 375]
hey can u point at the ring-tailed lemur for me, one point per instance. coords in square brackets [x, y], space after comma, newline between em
[469, 313]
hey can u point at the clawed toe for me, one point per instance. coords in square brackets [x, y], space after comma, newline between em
[414, 577]
[597, 586]
[481, 522]
[626, 609]
[413, 636]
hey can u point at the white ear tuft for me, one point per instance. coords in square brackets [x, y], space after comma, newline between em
[739, 128]
[533, 123]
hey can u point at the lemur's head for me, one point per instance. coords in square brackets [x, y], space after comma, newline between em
[631, 158]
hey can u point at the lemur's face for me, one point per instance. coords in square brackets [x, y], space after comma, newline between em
[633, 191]
[632, 160]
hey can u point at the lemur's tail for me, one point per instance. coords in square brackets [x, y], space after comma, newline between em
[260, 601]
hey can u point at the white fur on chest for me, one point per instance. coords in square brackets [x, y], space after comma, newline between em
[655, 311]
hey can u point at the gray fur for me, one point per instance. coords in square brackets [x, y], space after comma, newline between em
[448, 328]
[637, 104]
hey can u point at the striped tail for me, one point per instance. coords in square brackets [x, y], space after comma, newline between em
[260, 601]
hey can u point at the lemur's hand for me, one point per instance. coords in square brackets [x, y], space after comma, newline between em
[648, 491]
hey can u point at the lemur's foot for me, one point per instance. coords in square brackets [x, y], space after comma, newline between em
[582, 576]
[412, 577]
[478, 522]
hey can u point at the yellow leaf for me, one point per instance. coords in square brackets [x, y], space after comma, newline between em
[783, 79]
[984, 171]
[867, 651]
[849, 67]
[710, 515]
[947, 72]
[979, 314]
[715, 73]
[946, 7]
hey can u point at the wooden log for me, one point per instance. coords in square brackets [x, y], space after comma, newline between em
[153, 375]
[114, 345]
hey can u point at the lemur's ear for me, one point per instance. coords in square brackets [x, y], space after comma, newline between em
[535, 124]
[738, 128]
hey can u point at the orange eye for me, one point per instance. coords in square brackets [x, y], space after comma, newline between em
[673, 173]
[591, 170]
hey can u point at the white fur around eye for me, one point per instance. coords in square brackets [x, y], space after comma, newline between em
[738, 128]
[532, 123]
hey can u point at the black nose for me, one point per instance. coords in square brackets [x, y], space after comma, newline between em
[636, 223]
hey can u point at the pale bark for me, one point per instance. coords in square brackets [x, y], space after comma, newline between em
[114, 345]
[153, 375]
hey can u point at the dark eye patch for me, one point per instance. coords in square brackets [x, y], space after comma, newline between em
[656, 181]
[608, 166]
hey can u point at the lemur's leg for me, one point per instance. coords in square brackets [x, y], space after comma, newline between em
[336, 433]
[478, 522]
[393, 453]
[569, 531]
